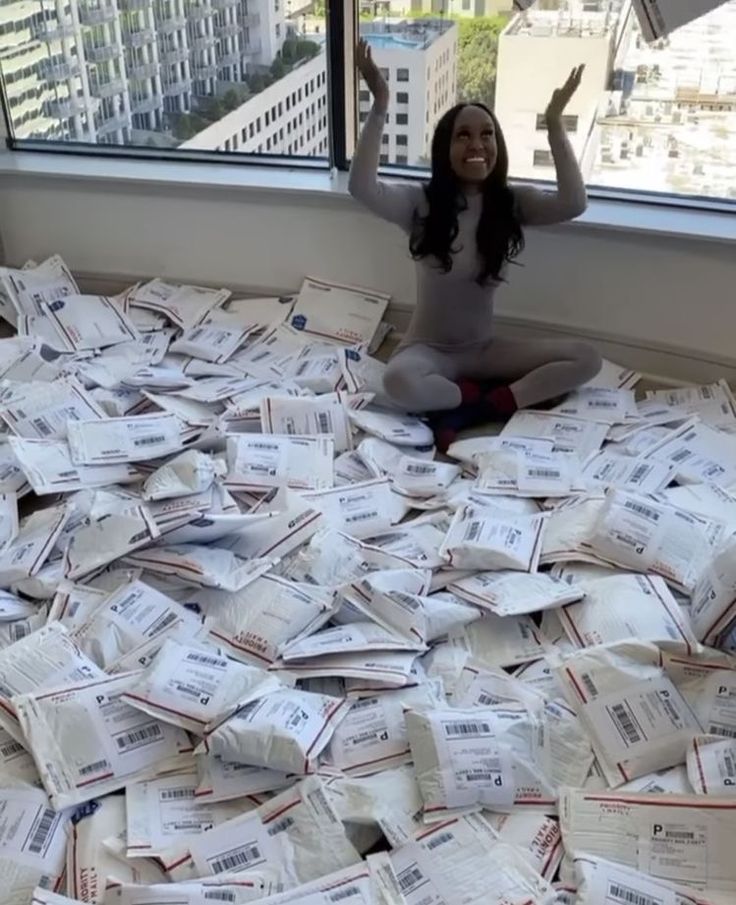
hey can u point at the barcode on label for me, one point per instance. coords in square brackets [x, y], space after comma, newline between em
[241, 857]
[618, 893]
[729, 765]
[646, 511]
[19, 630]
[601, 403]
[269, 446]
[11, 749]
[413, 468]
[339, 895]
[410, 878]
[361, 516]
[639, 473]
[681, 456]
[407, 601]
[97, 767]
[149, 441]
[679, 834]
[625, 724]
[44, 829]
[472, 532]
[324, 423]
[219, 895]
[543, 473]
[207, 661]
[486, 699]
[164, 622]
[138, 738]
[436, 841]
[458, 730]
[42, 426]
[280, 826]
[176, 794]
[479, 776]
[724, 731]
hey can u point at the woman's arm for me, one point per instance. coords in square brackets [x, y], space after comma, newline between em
[537, 208]
[393, 202]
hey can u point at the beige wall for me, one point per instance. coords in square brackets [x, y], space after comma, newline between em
[665, 304]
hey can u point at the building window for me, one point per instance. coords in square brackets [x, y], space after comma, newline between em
[384, 139]
[543, 159]
[146, 77]
[570, 122]
[363, 115]
[402, 160]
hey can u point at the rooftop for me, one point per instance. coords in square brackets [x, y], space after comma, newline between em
[403, 34]
[569, 19]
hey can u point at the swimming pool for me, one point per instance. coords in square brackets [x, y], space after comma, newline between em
[391, 42]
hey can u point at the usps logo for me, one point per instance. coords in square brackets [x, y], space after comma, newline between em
[57, 305]
[298, 322]
[352, 355]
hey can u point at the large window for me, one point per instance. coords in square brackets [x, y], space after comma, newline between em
[244, 77]
[647, 118]
[193, 75]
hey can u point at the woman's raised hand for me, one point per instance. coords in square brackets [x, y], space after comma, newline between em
[561, 96]
[376, 83]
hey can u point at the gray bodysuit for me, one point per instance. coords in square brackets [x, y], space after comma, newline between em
[451, 332]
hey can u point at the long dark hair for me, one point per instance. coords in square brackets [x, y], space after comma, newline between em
[499, 236]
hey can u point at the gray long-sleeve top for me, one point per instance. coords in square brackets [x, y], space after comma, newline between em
[452, 308]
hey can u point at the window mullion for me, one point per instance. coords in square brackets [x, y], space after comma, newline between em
[341, 37]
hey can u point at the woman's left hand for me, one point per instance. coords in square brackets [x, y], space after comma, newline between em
[561, 96]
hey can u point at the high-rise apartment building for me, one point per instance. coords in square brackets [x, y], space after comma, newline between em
[111, 70]
[289, 117]
[419, 59]
[536, 52]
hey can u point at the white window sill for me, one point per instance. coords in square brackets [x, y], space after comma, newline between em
[290, 183]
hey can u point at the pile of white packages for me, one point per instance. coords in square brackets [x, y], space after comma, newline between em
[258, 644]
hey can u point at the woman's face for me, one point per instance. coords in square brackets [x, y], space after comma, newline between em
[473, 149]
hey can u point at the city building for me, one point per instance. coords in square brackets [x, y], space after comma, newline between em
[674, 128]
[114, 71]
[464, 8]
[289, 117]
[419, 59]
[536, 52]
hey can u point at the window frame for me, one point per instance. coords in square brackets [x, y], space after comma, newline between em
[341, 30]
[341, 22]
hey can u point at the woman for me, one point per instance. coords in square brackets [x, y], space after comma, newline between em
[465, 225]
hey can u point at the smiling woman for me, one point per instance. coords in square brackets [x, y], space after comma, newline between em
[464, 226]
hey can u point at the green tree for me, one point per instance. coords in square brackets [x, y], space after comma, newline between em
[231, 100]
[256, 82]
[187, 125]
[305, 50]
[212, 109]
[288, 50]
[278, 70]
[477, 58]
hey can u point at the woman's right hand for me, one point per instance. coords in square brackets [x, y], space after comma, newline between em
[376, 83]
